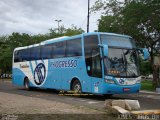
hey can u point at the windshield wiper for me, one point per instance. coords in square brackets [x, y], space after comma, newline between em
[125, 61]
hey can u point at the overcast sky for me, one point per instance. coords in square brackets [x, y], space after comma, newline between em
[37, 16]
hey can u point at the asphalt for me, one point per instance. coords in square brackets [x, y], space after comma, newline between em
[147, 101]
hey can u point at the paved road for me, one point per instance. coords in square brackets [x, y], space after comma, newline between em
[95, 102]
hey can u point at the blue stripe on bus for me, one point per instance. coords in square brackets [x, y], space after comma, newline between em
[36, 62]
[30, 63]
[42, 61]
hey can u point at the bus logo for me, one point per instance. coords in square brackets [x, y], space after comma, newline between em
[39, 74]
[121, 81]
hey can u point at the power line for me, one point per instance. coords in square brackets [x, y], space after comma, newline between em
[88, 17]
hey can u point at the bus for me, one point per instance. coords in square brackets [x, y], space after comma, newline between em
[96, 62]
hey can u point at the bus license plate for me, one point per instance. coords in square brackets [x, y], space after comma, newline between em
[126, 89]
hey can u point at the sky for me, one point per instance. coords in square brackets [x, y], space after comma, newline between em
[38, 16]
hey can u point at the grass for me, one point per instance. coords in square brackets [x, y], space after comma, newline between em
[147, 85]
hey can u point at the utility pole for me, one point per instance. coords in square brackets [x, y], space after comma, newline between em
[58, 21]
[88, 17]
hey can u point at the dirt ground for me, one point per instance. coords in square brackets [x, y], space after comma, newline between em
[18, 104]
[19, 107]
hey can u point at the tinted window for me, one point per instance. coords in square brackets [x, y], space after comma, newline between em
[35, 53]
[20, 55]
[90, 43]
[25, 54]
[92, 56]
[96, 64]
[46, 51]
[74, 48]
[16, 56]
[118, 41]
[59, 49]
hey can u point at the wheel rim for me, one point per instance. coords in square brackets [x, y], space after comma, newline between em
[26, 85]
[77, 88]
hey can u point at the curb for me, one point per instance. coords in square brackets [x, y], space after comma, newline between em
[148, 92]
[146, 112]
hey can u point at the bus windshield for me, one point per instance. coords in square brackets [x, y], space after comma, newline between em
[121, 62]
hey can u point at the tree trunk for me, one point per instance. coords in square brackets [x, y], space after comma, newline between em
[154, 68]
[155, 75]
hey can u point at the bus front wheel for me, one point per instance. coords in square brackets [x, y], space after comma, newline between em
[108, 95]
[76, 86]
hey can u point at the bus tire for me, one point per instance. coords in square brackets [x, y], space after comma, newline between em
[26, 84]
[108, 95]
[76, 86]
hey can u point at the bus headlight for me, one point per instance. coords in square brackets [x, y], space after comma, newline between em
[110, 81]
[138, 81]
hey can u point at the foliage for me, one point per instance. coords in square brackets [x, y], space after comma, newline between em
[141, 18]
[147, 85]
[9, 43]
[137, 18]
[106, 26]
[66, 31]
[145, 67]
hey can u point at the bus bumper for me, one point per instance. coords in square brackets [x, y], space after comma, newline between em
[118, 89]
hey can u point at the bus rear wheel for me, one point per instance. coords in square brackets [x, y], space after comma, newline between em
[76, 86]
[26, 84]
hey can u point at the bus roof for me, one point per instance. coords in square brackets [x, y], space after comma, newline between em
[63, 38]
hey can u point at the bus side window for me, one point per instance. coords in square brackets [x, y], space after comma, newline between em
[96, 64]
[90, 44]
[59, 49]
[35, 53]
[26, 55]
[20, 55]
[16, 56]
[46, 51]
[74, 48]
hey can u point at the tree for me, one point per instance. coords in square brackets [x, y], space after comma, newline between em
[141, 18]
[137, 18]
[110, 24]
[73, 30]
[3, 53]
[9, 43]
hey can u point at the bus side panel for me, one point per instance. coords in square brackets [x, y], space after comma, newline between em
[47, 76]
[47, 80]
[74, 71]
[18, 77]
[97, 85]
[66, 77]
[56, 79]
[54, 74]
[61, 73]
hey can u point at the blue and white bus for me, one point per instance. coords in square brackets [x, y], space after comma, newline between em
[98, 63]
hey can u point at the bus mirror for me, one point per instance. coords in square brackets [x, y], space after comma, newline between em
[105, 50]
[145, 53]
[88, 68]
